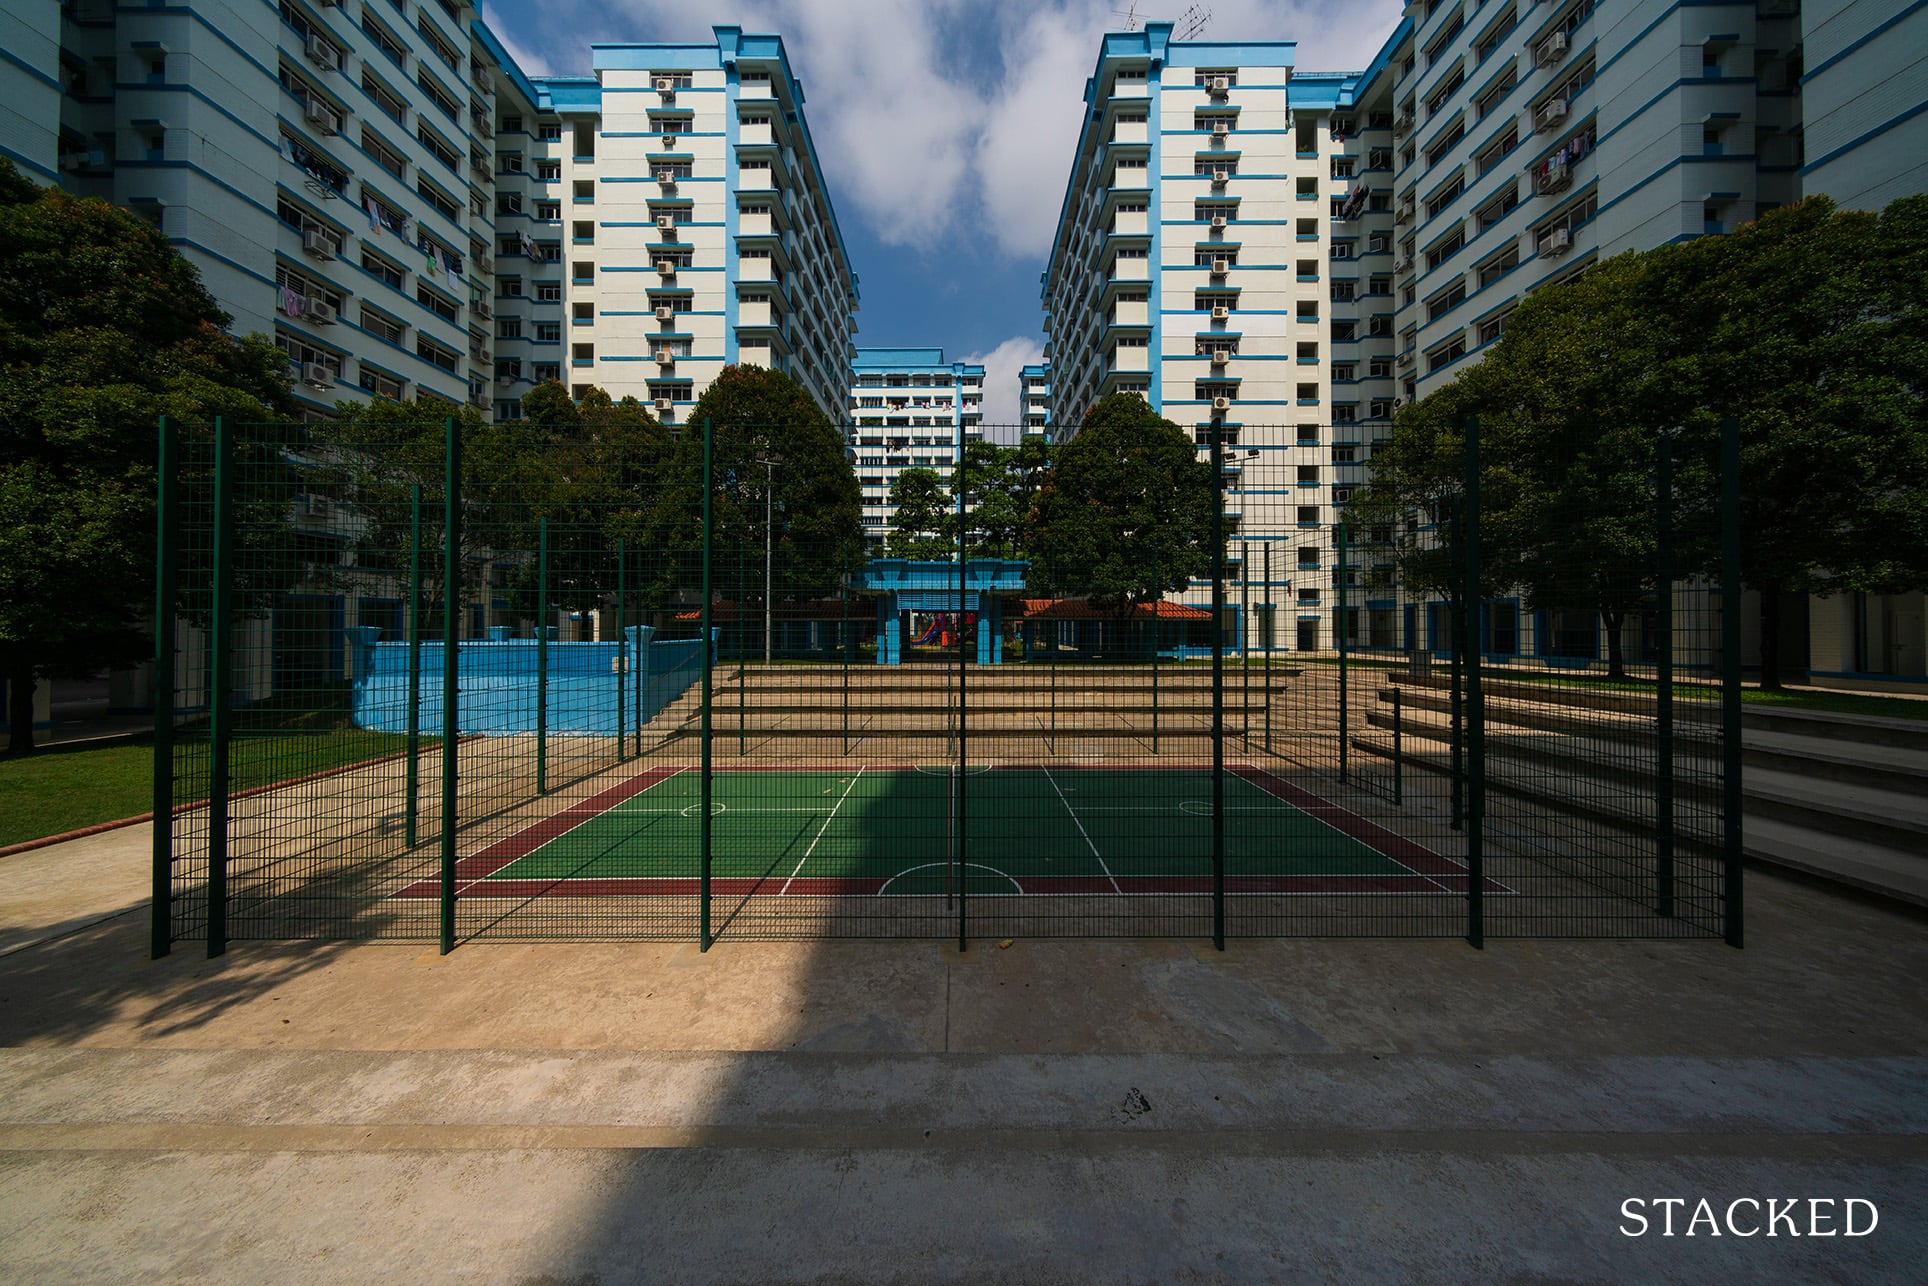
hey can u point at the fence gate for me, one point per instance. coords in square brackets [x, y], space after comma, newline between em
[414, 689]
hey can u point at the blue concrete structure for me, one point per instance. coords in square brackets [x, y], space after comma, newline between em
[591, 688]
[904, 586]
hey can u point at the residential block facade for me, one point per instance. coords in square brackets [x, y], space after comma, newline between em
[378, 185]
[909, 409]
[1034, 399]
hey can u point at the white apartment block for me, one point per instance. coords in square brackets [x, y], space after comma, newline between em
[1034, 399]
[1225, 250]
[378, 186]
[1864, 100]
[909, 409]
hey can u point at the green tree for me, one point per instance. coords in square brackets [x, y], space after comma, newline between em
[549, 406]
[1126, 514]
[104, 328]
[815, 506]
[1001, 489]
[921, 515]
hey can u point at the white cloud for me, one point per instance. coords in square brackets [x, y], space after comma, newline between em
[920, 141]
[1001, 367]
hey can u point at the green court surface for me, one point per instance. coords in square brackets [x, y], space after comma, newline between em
[894, 830]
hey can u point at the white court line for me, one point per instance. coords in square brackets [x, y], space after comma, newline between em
[821, 829]
[584, 820]
[1081, 830]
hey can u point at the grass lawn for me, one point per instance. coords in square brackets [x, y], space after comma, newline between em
[57, 790]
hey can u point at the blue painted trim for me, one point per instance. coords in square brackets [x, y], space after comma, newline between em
[27, 163]
[1898, 17]
[52, 82]
[1866, 137]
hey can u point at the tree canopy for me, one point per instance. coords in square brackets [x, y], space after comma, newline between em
[1806, 325]
[1126, 513]
[921, 516]
[104, 328]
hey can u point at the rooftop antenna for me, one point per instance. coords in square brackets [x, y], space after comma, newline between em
[1191, 23]
[1130, 16]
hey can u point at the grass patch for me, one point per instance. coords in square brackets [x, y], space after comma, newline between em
[58, 789]
[1826, 702]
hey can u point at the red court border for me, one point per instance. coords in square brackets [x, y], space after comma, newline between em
[1432, 873]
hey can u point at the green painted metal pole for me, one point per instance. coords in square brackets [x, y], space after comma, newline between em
[709, 661]
[963, 758]
[1218, 685]
[1730, 704]
[166, 555]
[1475, 705]
[451, 629]
[220, 696]
[1398, 751]
[412, 789]
[1344, 633]
[543, 618]
[1455, 647]
[1245, 640]
[843, 646]
[622, 651]
[1664, 677]
[741, 652]
[1156, 645]
[1271, 637]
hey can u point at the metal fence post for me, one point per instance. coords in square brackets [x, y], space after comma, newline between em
[220, 699]
[1341, 628]
[451, 628]
[166, 553]
[1398, 751]
[1155, 647]
[412, 788]
[1456, 651]
[543, 617]
[622, 651]
[709, 660]
[959, 827]
[1475, 705]
[1730, 629]
[1664, 676]
[1218, 684]
[1271, 638]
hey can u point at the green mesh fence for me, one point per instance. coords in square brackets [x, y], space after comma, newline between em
[494, 682]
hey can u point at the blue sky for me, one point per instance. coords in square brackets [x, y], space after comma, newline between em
[946, 129]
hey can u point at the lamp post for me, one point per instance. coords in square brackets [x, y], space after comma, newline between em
[769, 491]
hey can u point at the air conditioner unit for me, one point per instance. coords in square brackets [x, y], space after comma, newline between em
[323, 117]
[1218, 222]
[664, 405]
[484, 125]
[505, 381]
[322, 54]
[315, 375]
[1220, 267]
[1401, 264]
[1558, 242]
[319, 243]
[1220, 356]
[664, 357]
[485, 263]
[1219, 132]
[1552, 112]
[1221, 404]
[666, 267]
[480, 307]
[665, 313]
[319, 313]
[1398, 402]
[1552, 49]
[1556, 178]
[666, 86]
[1219, 85]
[1220, 314]
[1219, 177]
[666, 177]
[666, 223]
[1402, 123]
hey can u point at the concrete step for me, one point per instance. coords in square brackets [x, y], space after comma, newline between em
[1896, 819]
[1858, 763]
[1876, 868]
[1523, 754]
[1871, 730]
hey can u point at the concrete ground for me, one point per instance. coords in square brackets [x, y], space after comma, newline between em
[896, 1111]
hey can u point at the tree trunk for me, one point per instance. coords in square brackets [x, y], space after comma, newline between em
[20, 686]
[1771, 636]
[1616, 647]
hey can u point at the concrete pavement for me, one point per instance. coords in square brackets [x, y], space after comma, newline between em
[893, 1111]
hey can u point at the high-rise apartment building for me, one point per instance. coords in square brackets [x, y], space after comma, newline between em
[381, 189]
[909, 409]
[1034, 399]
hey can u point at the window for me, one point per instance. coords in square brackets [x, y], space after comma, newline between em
[391, 105]
[549, 171]
[549, 212]
[585, 189]
[548, 292]
[1445, 196]
[1493, 327]
[1496, 267]
[382, 154]
[585, 142]
[1203, 77]
[384, 40]
[1446, 354]
[382, 325]
[1499, 206]
[1206, 256]
[1438, 305]
[548, 332]
[1490, 97]
[433, 90]
[1436, 101]
[1445, 248]
[582, 230]
[549, 132]
[1445, 143]
[435, 354]
[381, 268]
[1495, 152]
[435, 302]
[444, 204]
[1207, 166]
[380, 382]
[1490, 38]
[582, 354]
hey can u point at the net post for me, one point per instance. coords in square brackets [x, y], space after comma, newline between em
[622, 653]
[1271, 638]
[1664, 675]
[740, 653]
[451, 628]
[1156, 645]
[843, 646]
[1218, 682]
[709, 661]
[220, 699]
[1344, 638]
[412, 787]
[542, 655]
[166, 554]
[1398, 751]
[1730, 705]
[1455, 647]
[1475, 705]
[1244, 639]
